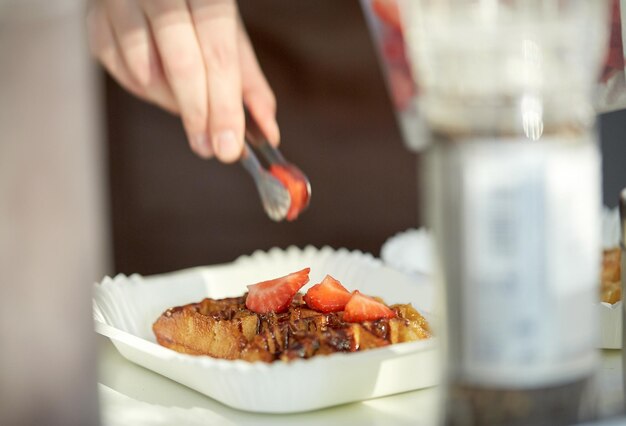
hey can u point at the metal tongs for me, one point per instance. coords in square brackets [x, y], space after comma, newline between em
[275, 195]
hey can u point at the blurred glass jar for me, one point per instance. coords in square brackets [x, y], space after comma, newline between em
[385, 22]
[516, 53]
[506, 92]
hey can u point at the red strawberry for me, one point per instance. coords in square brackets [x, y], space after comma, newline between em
[364, 308]
[275, 295]
[327, 296]
[292, 178]
[388, 12]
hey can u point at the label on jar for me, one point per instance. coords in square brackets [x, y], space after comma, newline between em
[529, 260]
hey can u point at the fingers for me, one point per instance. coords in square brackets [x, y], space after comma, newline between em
[134, 39]
[103, 46]
[188, 56]
[216, 28]
[184, 68]
[257, 94]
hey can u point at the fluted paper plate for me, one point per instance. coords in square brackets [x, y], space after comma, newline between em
[410, 251]
[124, 309]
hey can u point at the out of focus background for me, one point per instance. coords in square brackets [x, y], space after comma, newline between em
[95, 182]
[172, 210]
[612, 127]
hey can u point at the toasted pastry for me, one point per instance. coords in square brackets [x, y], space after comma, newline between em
[225, 328]
[611, 286]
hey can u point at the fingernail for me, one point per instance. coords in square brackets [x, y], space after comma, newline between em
[274, 132]
[226, 145]
[202, 145]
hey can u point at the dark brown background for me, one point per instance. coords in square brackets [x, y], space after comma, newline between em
[172, 210]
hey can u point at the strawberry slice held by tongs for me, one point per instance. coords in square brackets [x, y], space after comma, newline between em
[285, 191]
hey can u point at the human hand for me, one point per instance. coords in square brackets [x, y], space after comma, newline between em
[192, 58]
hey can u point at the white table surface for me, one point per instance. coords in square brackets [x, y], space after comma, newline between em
[133, 395]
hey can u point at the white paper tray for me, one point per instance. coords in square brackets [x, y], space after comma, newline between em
[610, 325]
[413, 252]
[124, 309]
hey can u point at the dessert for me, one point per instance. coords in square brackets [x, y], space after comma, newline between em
[610, 280]
[261, 326]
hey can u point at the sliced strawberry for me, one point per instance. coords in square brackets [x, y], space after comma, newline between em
[275, 295]
[295, 182]
[364, 308]
[327, 296]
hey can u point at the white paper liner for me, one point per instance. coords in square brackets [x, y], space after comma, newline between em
[610, 325]
[124, 309]
[412, 251]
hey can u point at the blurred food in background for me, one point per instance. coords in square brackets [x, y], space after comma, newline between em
[610, 280]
